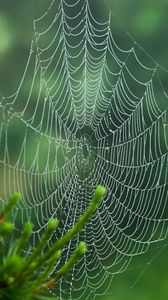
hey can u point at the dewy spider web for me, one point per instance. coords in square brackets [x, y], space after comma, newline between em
[94, 114]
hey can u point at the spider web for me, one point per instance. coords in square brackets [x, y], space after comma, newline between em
[95, 113]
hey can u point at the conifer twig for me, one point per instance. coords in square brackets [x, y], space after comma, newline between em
[27, 277]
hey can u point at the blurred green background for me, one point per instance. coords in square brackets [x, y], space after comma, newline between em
[147, 22]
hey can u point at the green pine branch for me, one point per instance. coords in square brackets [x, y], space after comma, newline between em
[24, 276]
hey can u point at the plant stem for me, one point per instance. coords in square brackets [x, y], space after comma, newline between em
[100, 192]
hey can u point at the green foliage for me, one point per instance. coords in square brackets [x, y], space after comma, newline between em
[26, 276]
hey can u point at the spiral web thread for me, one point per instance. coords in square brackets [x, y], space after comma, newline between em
[94, 114]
